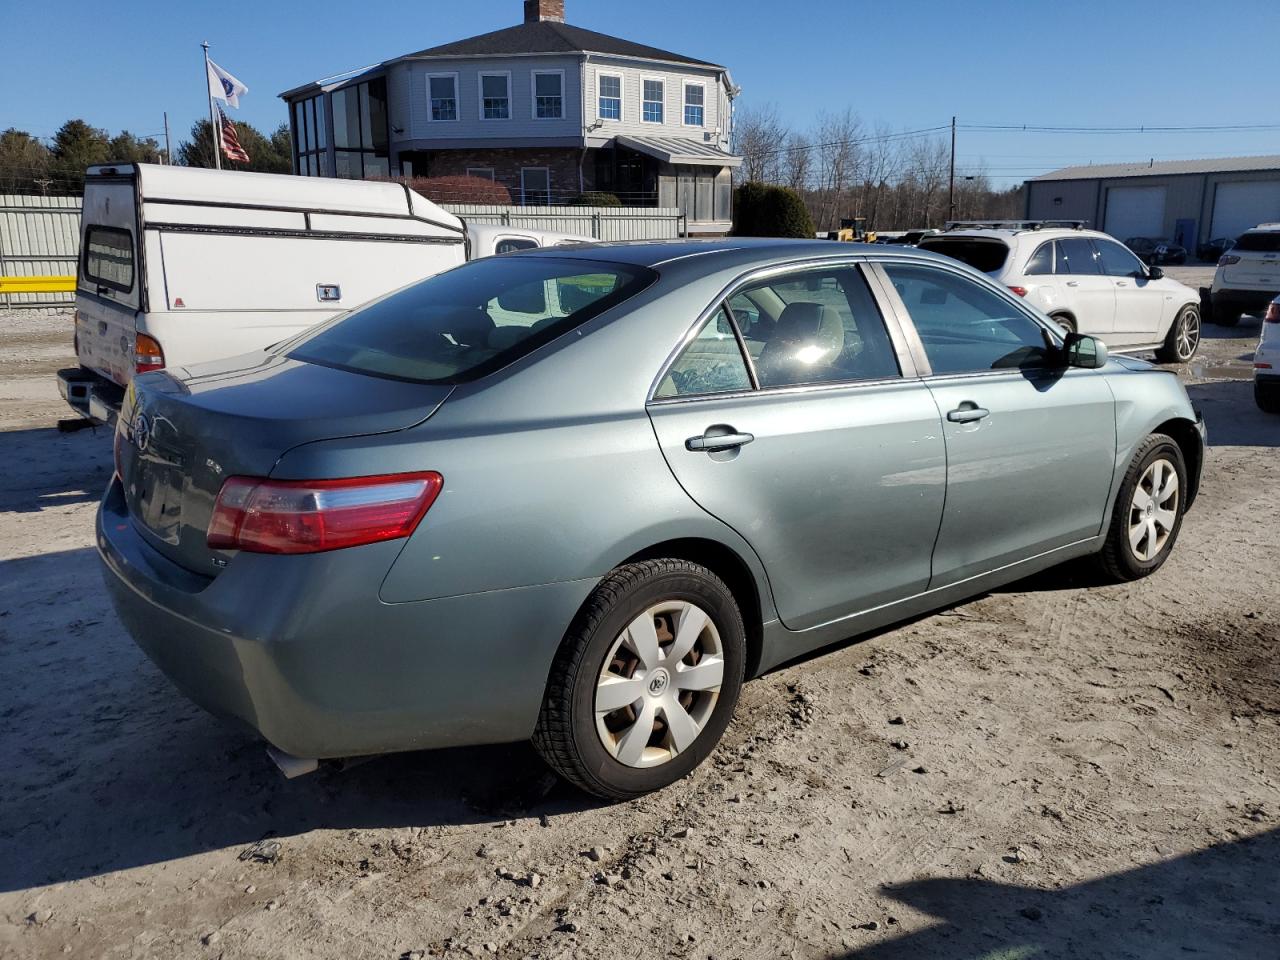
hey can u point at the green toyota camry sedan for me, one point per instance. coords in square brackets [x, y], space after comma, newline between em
[579, 495]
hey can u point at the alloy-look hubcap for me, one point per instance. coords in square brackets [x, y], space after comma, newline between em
[659, 684]
[1153, 510]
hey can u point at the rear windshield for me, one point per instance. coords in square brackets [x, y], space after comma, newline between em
[472, 320]
[985, 255]
[108, 257]
[1262, 241]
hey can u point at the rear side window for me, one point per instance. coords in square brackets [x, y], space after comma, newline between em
[1260, 242]
[985, 255]
[1041, 262]
[460, 325]
[1076, 257]
[712, 363]
[108, 257]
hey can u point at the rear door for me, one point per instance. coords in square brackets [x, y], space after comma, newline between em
[1030, 445]
[109, 281]
[1089, 294]
[1143, 308]
[813, 439]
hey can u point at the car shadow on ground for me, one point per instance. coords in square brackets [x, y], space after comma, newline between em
[1221, 902]
[43, 468]
[107, 767]
[1233, 418]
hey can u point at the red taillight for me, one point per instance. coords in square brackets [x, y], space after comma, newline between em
[309, 516]
[1273, 313]
[1020, 291]
[1227, 259]
[147, 355]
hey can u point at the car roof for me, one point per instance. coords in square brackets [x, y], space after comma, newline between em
[1010, 235]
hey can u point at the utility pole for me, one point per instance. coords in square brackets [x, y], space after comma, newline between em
[168, 153]
[215, 138]
[951, 193]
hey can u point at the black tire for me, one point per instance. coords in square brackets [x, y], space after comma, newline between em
[1267, 397]
[566, 734]
[1174, 350]
[1062, 320]
[1226, 314]
[1117, 559]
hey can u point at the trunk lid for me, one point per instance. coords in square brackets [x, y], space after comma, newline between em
[182, 433]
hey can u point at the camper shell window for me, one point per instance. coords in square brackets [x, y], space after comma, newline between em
[108, 257]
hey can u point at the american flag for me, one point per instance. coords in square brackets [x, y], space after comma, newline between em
[230, 142]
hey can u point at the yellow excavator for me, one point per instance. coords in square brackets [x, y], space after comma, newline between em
[852, 230]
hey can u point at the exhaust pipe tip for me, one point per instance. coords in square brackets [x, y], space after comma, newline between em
[290, 765]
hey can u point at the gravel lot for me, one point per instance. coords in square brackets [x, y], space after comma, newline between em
[1078, 771]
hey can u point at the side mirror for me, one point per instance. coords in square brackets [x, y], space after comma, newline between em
[1084, 351]
[1155, 273]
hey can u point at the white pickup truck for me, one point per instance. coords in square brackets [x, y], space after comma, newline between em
[181, 265]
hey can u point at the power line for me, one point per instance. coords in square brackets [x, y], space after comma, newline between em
[1145, 128]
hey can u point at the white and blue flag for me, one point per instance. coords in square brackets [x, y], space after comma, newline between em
[223, 86]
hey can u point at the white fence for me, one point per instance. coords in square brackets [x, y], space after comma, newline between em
[39, 236]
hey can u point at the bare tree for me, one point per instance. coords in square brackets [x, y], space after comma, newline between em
[797, 161]
[837, 165]
[758, 136]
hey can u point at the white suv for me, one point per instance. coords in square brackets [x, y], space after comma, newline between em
[1248, 275]
[1085, 280]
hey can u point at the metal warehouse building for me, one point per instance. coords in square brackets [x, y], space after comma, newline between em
[1188, 201]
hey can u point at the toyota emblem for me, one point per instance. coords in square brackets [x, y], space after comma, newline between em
[141, 433]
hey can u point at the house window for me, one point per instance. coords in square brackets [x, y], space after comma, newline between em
[495, 96]
[535, 186]
[310, 144]
[694, 95]
[548, 94]
[610, 96]
[442, 90]
[651, 111]
[484, 173]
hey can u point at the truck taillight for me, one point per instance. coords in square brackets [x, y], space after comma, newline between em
[1273, 312]
[310, 516]
[1227, 259]
[1020, 291]
[147, 355]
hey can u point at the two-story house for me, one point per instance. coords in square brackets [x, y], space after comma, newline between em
[547, 109]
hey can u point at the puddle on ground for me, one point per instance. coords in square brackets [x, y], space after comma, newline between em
[1213, 371]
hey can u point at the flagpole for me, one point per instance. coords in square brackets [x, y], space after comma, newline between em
[214, 128]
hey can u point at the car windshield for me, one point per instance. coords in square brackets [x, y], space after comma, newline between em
[1264, 241]
[985, 255]
[472, 320]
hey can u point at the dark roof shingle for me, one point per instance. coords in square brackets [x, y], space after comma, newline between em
[548, 36]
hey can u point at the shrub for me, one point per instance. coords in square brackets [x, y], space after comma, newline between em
[760, 210]
[596, 198]
[457, 189]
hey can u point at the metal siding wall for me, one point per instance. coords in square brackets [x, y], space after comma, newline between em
[38, 236]
[469, 126]
[673, 101]
[603, 223]
[1079, 201]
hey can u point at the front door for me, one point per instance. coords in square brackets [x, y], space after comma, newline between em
[1030, 444]
[1142, 306]
[802, 433]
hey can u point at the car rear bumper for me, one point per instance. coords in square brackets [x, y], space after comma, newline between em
[1248, 301]
[301, 650]
[90, 394]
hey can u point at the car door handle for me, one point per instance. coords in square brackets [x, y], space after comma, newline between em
[710, 443]
[968, 413]
[1122, 283]
[1073, 283]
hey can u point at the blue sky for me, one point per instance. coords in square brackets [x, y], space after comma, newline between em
[909, 63]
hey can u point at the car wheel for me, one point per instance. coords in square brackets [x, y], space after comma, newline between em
[1267, 397]
[645, 681]
[1148, 511]
[1183, 339]
[1064, 321]
[1226, 315]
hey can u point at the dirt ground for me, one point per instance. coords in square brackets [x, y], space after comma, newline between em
[1078, 771]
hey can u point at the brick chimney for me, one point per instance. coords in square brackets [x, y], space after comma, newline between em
[535, 10]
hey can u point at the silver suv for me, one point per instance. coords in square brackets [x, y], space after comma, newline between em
[1086, 280]
[1248, 276]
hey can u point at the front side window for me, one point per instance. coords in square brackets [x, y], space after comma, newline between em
[610, 97]
[1116, 261]
[694, 95]
[965, 327]
[495, 96]
[1041, 262]
[548, 96]
[469, 321]
[818, 326]
[651, 108]
[1076, 257]
[108, 257]
[444, 96]
[711, 363]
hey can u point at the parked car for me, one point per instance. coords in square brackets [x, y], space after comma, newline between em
[1210, 251]
[911, 238]
[181, 265]
[1086, 282]
[579, 495]
[1248, 277]
[1266, 361]
[1157, 252]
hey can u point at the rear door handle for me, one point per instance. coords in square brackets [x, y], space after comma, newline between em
[721, 441]
[968, 413]
[1073, 283]
[1122, 283]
